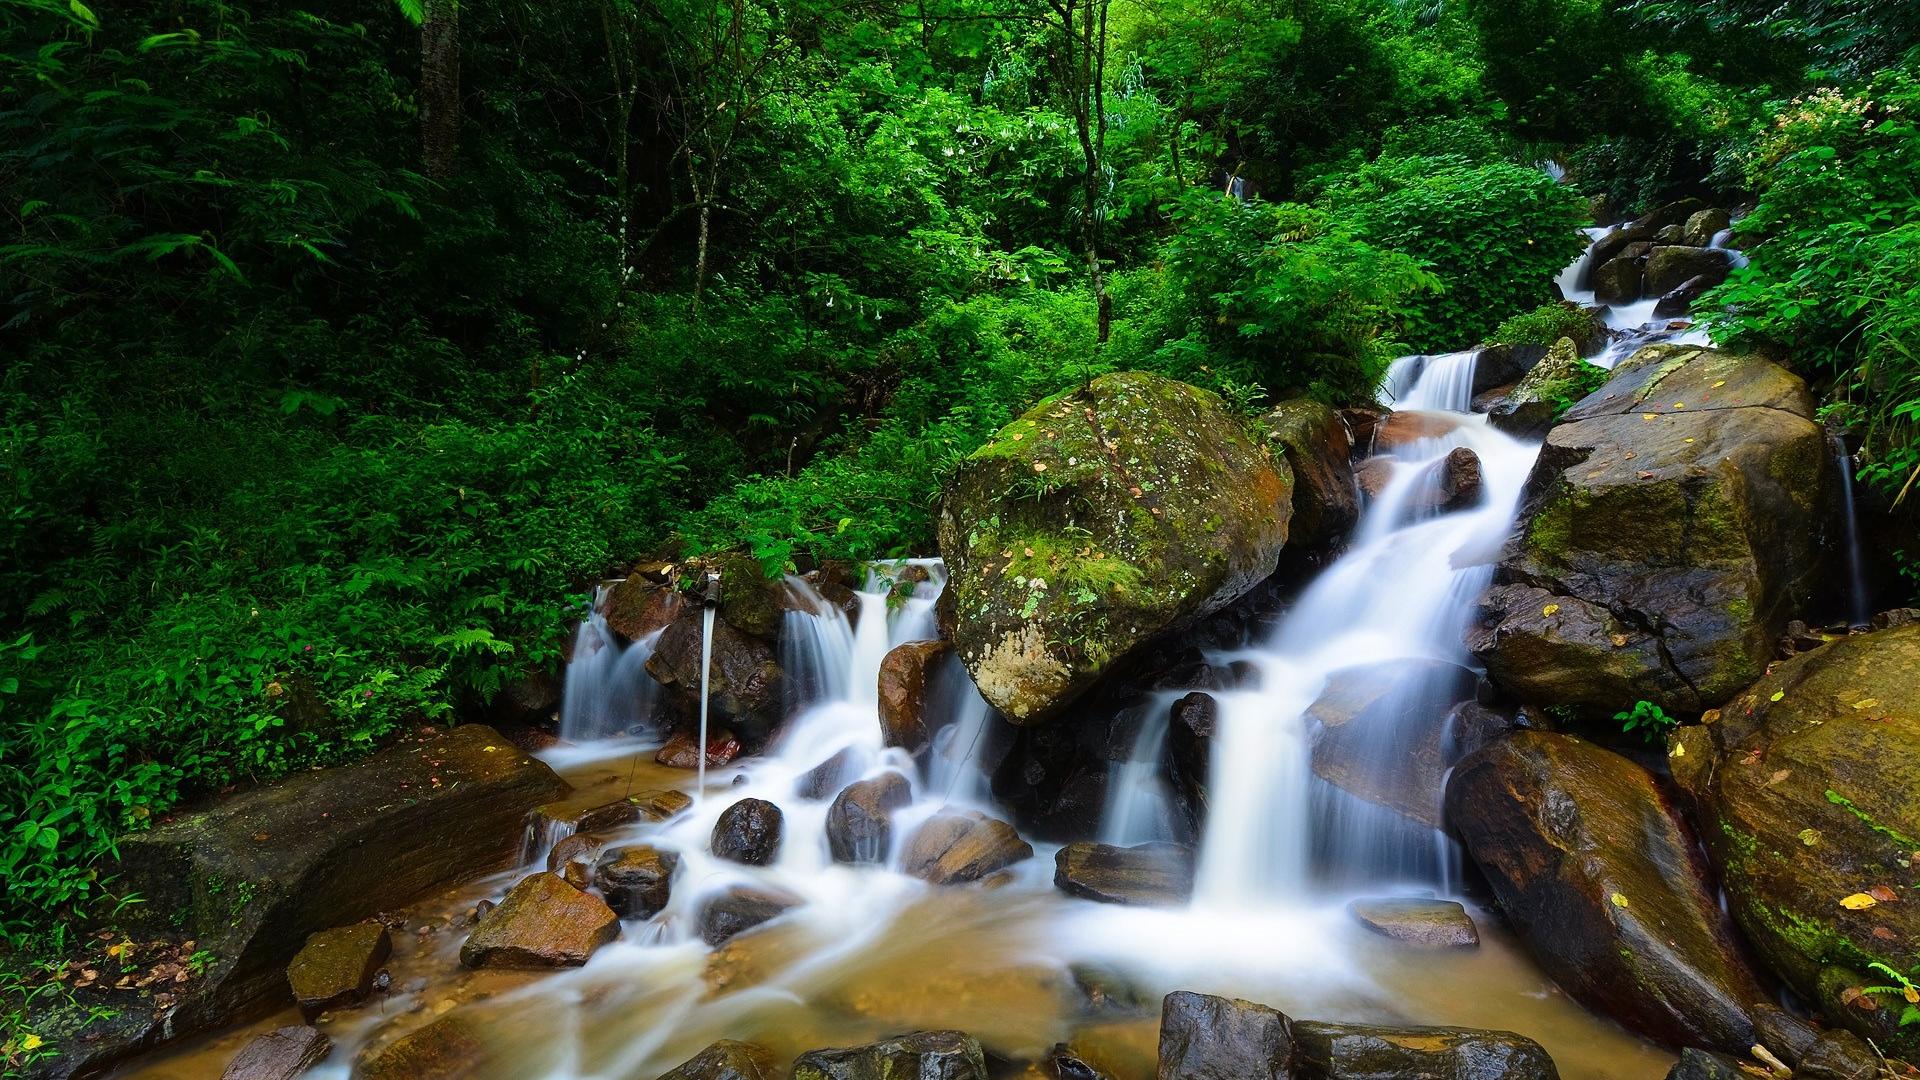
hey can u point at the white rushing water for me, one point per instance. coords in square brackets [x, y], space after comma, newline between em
[607, 690]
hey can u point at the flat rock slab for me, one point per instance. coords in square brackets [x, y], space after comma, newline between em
[541, 922]
[1429, 924]
[336, 967]
[1366, 1052]
[281, 1054]
[923, 1055]
[957, 847]
[251, 878]
[1156, 874]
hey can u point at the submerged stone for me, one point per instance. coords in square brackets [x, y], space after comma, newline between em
[281, 1054]
[727, 1060]
[453, 1047]
[923, 1055]
[740, 909]
[860, 821]
[636, 881]
[1100, 519]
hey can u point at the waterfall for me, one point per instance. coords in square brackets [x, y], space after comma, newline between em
[1443, 382]
[607, 690]
[1859, 606]
[1137, 808]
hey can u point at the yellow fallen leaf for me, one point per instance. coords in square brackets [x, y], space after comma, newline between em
[1648, 416]
[1679, 750]
[1711, 716]
[1550, 609]
[1866, 703]
[1809, 837]
[1619, 900]
[1720, 384]
[1777, 695]
[31, 1042]
[1857, 902]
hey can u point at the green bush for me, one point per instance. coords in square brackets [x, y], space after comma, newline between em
[1494, 235]
[1544, 325]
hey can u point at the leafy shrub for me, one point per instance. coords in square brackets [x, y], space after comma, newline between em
[1544, 325]
[1650, 720]
[1493, 234]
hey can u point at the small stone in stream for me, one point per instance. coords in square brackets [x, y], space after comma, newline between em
[541, 922]
[450, 1048]
[1203, 1037]
[923, 1055]
[1067, 1065]
[727, 1060]
[860, 821]
[740, 909]
[336, 967]
[636, 881]
[596, 818]
[903, 692]
[825, 778]
[573, 857]
[1151, 874]
[1368, 1052]
[662, 804]
[748, 832]
[955, 847]
[1429, 924]
[682, 750]
[281, 1054]
[382, 981]
[1110, 991]
[1697, 1064]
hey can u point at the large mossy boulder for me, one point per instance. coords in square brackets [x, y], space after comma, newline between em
[1808, 789]
[1318, 449]
[1670, 528]
[252, 878]
[1558, 380]
[1101, 518]
[1603, 880]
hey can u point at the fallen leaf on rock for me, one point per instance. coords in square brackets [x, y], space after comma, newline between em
[1777, 695]
[1644, 475]
[1619, 899]
[1550, 609]
[1809, 837]
[1884, 894]
[1778, 776]
[1866, 703]
[1885, 934]
[1858, 902]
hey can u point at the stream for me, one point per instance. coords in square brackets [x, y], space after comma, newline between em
[871, 951]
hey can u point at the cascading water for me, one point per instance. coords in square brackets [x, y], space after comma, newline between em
[706, 677]
[607, 691]
[1859, 605]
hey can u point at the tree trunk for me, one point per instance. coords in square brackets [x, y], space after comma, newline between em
[440, 87]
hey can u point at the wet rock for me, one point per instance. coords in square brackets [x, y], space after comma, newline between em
[281, 1054]
[1373, 475]
[1190, 753]
[1378, 732]
[572, 857]
[1203, 1037]
[1706, 1065]
[1063, 1063]
[1365, 1052]
[923, 1055]
[903, 693]
[636, 881]
[1618, 282]
[1362, 421]
[1677, 212]
[659, 805]
[1670, 527]
[727, 1060]
[860, 821]
[1555, 382]
[1840, 1055]
[1146, 508]
[1670, 267]
[345, 843]
[1429, 924]
[1408, 427]
[826, 778]
[1808, 790]
[1895, 617]
[1615, 244]
[1503, 365]
[746, 678]
[1631, 930]
[961, 846]
[748, 832]
[740, 909]
[1704, 225]
[336, 967]
[637, 606]
[1314, 441]
[541, 922]
[1679, 301]
[682, 749]
[1456, 482]
[450, 1048]
[1156, 874]
[1783, 1034]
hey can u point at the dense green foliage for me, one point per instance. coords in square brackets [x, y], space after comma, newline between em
[310, 433]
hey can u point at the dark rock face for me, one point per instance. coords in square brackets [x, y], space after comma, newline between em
[572, 858]
[1379, 733]
[1703, 226]
[1190, 750]
[1669, 267]
[746, 679]
[281, 1054]
[903, 692]
[1156, 874]
[1427, 924]
[1631, 930]
[1148, 508]
[748, 832]
[740, 909]
[637, 606]
[453, 1047]
[955, 847]
[1314, 440]
[541, 922]
[860, 821]
[1503, 365]
[1670, 526]
[1618, 282]
[346, 843]
[825, 778]
[1203, 1037]
[636, 881]
[727, 1060]
[1679, 301]
[1678, 212]
[1808, 791]
[336, 967]
[1365, 1052]
[1697, 1064]
[923, 1055]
